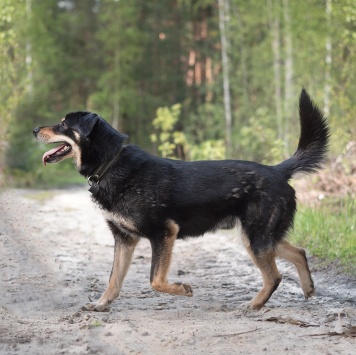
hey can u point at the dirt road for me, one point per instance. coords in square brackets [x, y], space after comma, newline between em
[56, 253]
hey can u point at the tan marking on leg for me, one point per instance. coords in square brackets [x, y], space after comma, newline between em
[297, 257]
[122, 259]
[161, 259]
[266, 262]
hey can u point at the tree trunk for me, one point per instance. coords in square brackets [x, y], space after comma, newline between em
[328, 59]
[288, 78]
[241, 49]
[223, 18]
[28, 50]
[274, 26]
[116, 107]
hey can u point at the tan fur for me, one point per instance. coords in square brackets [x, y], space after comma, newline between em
[270, 274]
[161, 260]
[297, 257]
[119, 220]
[46, 135]
[271, 277]
[122, 259]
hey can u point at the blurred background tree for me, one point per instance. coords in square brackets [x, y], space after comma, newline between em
[126, 59]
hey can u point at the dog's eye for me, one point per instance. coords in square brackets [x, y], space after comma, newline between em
[63, 124]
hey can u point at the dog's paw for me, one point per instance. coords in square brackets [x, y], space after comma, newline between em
[96, 307]
[184, 289]
[309, 293]
[255, 307]
[250, 306]
[188, 290]
[244, 306]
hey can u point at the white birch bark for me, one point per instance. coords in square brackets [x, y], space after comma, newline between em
[328, 59]
[28, 51]
[275, 33]
[223, 19]
[288, 77]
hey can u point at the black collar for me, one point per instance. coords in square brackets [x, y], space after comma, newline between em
[94, 179]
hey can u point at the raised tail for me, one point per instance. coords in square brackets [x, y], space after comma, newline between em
[313, 141]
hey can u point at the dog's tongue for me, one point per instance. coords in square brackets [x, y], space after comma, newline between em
[51, 152]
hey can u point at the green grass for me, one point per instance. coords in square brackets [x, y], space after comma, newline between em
[328, 231]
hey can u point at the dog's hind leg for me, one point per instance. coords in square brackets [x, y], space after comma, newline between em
[265, 261]
[297, 257]
[161, 259]
[124, 248]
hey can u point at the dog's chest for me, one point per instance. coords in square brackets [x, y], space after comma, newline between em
[121, 222]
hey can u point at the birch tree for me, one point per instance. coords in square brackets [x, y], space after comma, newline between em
[288, 76]
[223, 19]
[328, 59]
[274, 23]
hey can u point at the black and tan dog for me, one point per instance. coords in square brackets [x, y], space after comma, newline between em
[144, 196]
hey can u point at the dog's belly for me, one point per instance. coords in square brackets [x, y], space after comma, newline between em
[193, 225]
[198, 226]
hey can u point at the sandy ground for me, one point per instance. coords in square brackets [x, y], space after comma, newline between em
[56, 253]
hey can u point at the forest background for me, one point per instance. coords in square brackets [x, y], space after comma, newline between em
[199, 79]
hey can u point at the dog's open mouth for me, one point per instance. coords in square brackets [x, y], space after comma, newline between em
[55, 154]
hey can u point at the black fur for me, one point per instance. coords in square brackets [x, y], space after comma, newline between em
[197, 196]
[202, 196]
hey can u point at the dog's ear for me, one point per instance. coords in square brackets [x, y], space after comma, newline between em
[123, 136]
[86, 123]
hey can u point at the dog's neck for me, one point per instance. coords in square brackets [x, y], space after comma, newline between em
[99, 167]
[99, 173]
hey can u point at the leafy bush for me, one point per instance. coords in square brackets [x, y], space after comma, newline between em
[171, 143]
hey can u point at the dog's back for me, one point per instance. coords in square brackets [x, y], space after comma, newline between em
[162, 199]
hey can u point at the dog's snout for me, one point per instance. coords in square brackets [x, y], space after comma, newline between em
[35, 131]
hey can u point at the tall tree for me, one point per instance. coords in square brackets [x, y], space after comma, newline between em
[274, 23]
[288, 76]
[328, 58]
[223, 20]
[12, 59]
[125, 59]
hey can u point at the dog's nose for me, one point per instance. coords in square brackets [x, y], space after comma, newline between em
[35, 131]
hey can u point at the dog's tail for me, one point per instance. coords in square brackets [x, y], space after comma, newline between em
[313, 141]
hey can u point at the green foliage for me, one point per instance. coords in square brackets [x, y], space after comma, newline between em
[258, 139]
[208, 150]
[125, 59]
[164, 123]
[11, 64]
[206, 123]
[328, 231]
[171, 142]
[167, 118]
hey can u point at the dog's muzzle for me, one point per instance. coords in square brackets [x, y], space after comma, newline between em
[35, 131]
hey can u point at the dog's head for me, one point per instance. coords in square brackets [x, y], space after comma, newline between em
[72, 134]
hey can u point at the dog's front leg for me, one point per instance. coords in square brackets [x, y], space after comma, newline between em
[124, 248]
[161, 259]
